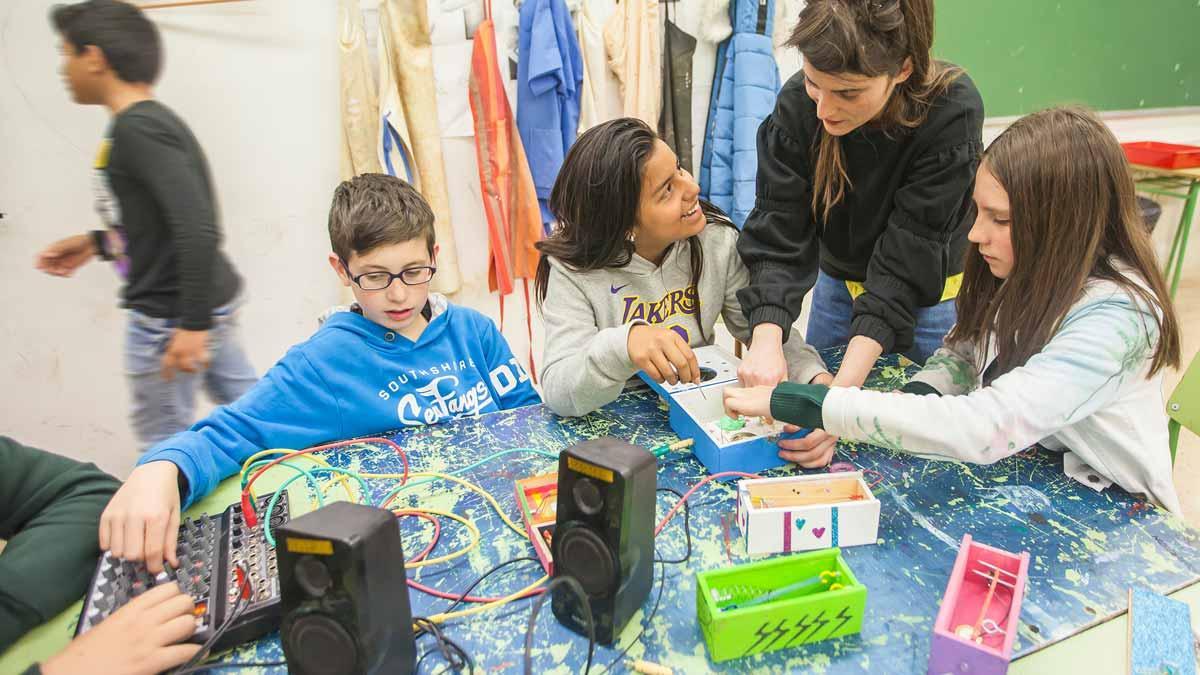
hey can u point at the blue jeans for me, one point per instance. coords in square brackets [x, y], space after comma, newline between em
[829, 320]
[162, 408]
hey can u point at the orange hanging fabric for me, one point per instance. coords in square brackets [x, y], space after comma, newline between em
[509, 198]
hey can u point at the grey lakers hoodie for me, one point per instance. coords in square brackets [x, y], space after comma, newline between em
[588, 316]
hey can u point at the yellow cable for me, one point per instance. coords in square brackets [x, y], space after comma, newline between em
[472, 529]
[441, 618]
[339, 478]
[450, 556]
[467, 484]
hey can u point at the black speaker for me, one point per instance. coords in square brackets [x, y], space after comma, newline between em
[343, 593]
[604, 533]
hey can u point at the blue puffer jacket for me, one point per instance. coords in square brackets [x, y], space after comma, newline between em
[744, 89]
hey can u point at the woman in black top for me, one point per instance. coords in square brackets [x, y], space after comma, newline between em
[865, 173]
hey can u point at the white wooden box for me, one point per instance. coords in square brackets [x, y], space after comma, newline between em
[804, 513]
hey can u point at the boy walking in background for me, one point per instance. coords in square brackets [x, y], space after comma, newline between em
[155, 197]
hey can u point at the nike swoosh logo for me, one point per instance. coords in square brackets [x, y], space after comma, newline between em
[616, 289]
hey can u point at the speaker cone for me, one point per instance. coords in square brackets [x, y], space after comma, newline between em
[321, 645]
[584, 555]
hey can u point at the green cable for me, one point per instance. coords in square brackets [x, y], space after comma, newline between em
[282, 488]
[405, 486]
[305, 473]
[658, 451]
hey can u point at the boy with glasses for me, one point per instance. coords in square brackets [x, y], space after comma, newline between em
[402, 357]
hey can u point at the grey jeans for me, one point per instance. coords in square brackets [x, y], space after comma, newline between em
[162, 408]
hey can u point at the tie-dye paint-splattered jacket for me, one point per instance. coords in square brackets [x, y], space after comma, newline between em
[1086, 393]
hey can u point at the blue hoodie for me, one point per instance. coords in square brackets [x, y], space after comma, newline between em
[353, 378]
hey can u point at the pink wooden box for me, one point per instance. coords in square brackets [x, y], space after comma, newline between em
[977, 622]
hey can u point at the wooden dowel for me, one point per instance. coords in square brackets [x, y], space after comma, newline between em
[996, 568]
[184, 3]
[987, 576]
[796, 500]
[842, 489]
[987, 602]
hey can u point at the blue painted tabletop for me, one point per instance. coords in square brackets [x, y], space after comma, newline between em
[1086, 547]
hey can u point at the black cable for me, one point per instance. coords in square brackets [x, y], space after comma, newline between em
[487, 574]
[577, 588]
[219, 666]
[455, 656]
[451, 651]
[662, 578]
[687, 529]
[456, 646]
[243, 601]
[417, 668]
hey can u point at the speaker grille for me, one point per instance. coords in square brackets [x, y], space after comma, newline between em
[584, 555]
[313, 576]
[321, 645]
[587, 496]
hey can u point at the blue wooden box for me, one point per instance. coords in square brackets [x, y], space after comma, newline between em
[694, 413]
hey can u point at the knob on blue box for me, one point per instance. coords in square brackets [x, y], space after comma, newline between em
[695, 412]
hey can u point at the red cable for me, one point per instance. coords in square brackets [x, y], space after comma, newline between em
[421, 556]
[251, 515]
[686, 495]
[840, 467]
[389, 500]
[437, 531]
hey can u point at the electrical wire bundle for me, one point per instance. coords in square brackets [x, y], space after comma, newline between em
[244, 599]
[455, 657]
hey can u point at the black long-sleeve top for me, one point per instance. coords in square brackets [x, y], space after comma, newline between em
[900, 230]
[159, 175]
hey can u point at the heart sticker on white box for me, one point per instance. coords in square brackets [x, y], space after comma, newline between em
[813, 530]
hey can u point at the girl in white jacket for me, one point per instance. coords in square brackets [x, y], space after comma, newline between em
[1064, 326]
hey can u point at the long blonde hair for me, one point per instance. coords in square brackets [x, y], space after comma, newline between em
[869, 38]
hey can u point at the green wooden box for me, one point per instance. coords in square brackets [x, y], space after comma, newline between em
[818, 614]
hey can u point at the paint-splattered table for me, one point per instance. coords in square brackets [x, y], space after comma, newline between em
[1087, 547]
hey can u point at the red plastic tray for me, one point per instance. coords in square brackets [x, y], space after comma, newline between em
[1164, 155]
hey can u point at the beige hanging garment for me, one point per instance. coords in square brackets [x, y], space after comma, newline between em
[635, 55]
[600, 97]
[405, 49]
[393, 146]
[359, 103]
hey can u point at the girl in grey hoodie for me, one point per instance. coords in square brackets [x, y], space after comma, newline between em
[637, 272]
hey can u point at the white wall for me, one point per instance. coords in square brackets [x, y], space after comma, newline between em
[257, 81]
[1181, 125]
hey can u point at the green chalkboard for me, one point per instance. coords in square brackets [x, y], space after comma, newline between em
[1108, 54]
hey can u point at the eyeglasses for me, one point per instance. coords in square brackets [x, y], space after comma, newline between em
[377, 281]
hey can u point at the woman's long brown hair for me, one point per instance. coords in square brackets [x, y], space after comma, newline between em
[869, 38]
[1074, 216]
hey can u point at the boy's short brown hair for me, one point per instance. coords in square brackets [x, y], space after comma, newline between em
[375, 209]
[129, 41]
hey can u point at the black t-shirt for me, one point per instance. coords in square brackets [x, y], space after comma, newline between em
[168, 215]
[900, 230]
